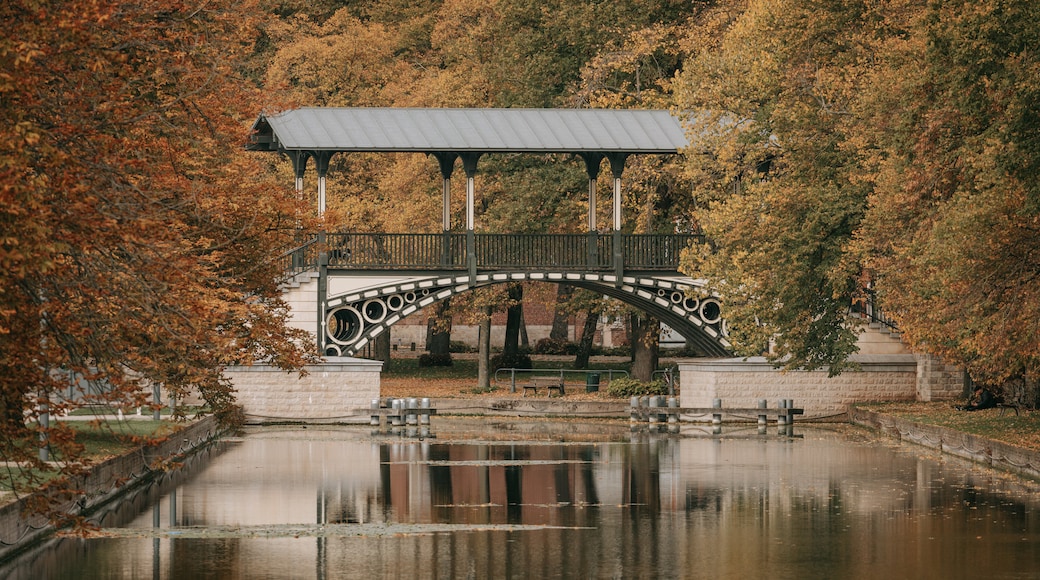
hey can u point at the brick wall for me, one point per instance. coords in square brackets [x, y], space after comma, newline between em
[329, 393]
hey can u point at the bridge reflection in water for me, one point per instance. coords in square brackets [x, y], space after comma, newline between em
[572, 499]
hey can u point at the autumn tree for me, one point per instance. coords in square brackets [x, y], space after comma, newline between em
[841, 145]
[138, 238]
[953, 227]
[769, 90]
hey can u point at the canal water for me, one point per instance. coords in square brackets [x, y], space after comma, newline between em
[485, 498]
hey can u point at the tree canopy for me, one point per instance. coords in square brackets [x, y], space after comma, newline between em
[843, 145]
[139, 242]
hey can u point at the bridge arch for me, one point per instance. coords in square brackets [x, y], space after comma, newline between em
[353, 318]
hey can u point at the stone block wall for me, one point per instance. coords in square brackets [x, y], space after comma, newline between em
[938, 381]
[329, 393]
[742, 382]
[301, 294]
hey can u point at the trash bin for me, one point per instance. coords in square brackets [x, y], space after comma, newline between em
[591, 382]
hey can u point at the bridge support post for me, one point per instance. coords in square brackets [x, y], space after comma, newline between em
[471, 255]
[323, 292]
[446, 257]
[592, 250]
[619, 259]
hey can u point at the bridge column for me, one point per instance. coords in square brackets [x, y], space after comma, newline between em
[299, 163]
[469, 164]
[617, 167]
[446, 160]
[321, 160]
[592, 163]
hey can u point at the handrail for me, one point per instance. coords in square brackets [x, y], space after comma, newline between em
[554, 373]
[300, 259]
[449, 251]
[873, 313]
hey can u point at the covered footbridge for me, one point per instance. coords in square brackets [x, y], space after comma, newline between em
[369, 281]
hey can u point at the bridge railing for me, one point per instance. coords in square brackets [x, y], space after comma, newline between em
[301, 258]
[448, 251]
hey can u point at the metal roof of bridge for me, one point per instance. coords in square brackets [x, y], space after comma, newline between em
[469, 130]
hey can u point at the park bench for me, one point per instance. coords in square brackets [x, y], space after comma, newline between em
[1005, 405]
[550, 384]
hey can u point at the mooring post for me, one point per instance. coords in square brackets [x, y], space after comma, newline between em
[412, 415]
[781, 405]
[716, 418]
[424, 417]
[673, 403]
[762, 404]
[633, 409]
[396, 412]
[374, 420]
[652, 416]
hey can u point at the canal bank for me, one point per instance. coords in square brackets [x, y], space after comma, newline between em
[105, 482]
[1024, 462]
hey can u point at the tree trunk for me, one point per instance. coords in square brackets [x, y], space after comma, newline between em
[588, 333]
[513, 317]
[438, 330]
[484, 352]
[646, 333]
[381, 347]
[560, 324]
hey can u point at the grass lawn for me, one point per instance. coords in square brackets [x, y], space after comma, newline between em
[1020, 430]
[116, 437]
[100, 442]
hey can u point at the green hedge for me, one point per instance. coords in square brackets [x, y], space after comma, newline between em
[629, 387]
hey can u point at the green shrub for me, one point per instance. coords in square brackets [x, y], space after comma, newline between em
[628, 387]
[518, 361]
[459, 346]
[435, 360]
[550, 346]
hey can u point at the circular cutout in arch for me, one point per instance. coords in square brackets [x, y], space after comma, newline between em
[333, 350]
[344, 325]
[409, 297]
[395, 302]
[691, 304]
[373, 310]
[676, 297]
[710, 311]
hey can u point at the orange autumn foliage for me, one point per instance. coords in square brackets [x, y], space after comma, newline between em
[136, 233]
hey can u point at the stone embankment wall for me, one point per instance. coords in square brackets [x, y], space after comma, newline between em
[964, 445]
[328, 393]
[742, 382]
[105, 482]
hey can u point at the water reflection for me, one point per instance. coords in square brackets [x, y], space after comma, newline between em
[563, 499]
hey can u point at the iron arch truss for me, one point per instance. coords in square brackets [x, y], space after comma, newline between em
[352, 319]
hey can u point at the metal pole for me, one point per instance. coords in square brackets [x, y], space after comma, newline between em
[592, 204]
[446, 210]
[45, 423]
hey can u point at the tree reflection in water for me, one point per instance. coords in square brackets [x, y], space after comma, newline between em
[566, 499]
